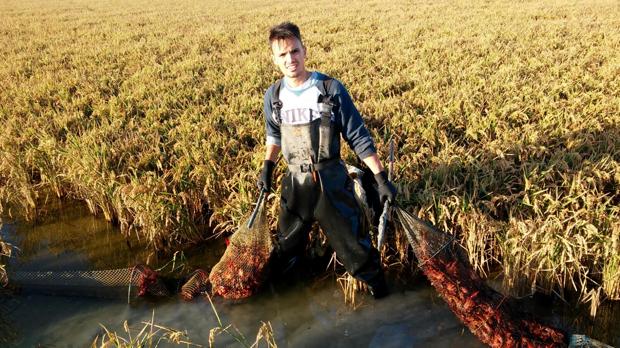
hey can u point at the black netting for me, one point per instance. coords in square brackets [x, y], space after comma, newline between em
[134, 281]
[196, 283]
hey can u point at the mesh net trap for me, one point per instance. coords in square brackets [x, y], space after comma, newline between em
[243, 268]
[484, 311]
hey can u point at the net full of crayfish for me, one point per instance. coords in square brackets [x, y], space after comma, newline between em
[242, 269]
[484, 311]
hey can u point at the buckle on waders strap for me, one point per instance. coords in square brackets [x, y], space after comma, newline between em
[313, 169]
[306, 167]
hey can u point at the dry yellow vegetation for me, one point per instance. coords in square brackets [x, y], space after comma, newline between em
[507, 117]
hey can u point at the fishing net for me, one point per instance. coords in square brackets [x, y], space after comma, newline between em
[242, 269]
[114, 283]
[197, 283]
[484, 311]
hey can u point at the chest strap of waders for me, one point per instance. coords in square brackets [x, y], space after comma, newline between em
[326, 104]
[324, 99]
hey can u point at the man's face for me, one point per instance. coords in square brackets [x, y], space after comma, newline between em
[289, 55]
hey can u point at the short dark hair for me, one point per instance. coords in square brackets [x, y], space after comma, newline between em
[284, 30]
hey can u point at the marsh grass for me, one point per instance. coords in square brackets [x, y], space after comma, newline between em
[151, 335]
[350, 287]
[8, 333]
[264, 336]
[6, 250]
[150, 112]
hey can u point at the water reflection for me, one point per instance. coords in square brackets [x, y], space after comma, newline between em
[71, 239]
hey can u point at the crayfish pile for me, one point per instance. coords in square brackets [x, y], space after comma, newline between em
[242, 269]
[148, 282]
[484, 311]
[240, 272]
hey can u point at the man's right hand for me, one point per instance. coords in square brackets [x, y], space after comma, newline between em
[264, 180]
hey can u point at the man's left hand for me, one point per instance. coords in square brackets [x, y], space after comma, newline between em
[387, 191]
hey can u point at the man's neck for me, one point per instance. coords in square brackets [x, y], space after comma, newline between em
[298, 81]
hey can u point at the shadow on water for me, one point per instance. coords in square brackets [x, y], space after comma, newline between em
[301, 316]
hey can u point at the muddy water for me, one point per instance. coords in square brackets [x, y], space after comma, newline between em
[71, 240]
[309, 313]
[300, 317]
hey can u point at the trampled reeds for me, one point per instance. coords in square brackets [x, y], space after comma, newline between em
[6, 250]
[264, 337]
[506, 115]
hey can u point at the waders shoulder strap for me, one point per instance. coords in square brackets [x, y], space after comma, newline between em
[276, 103]
[324, 87]
[326, 103]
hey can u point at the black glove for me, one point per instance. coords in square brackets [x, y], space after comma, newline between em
[264, 181]
[387, 191]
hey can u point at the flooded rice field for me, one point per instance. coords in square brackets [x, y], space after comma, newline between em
[302, 312]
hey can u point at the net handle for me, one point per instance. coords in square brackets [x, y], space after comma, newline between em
[259, 203]
[407, 219]
[386, 206]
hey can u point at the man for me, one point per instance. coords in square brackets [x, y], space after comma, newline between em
[306, 113]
